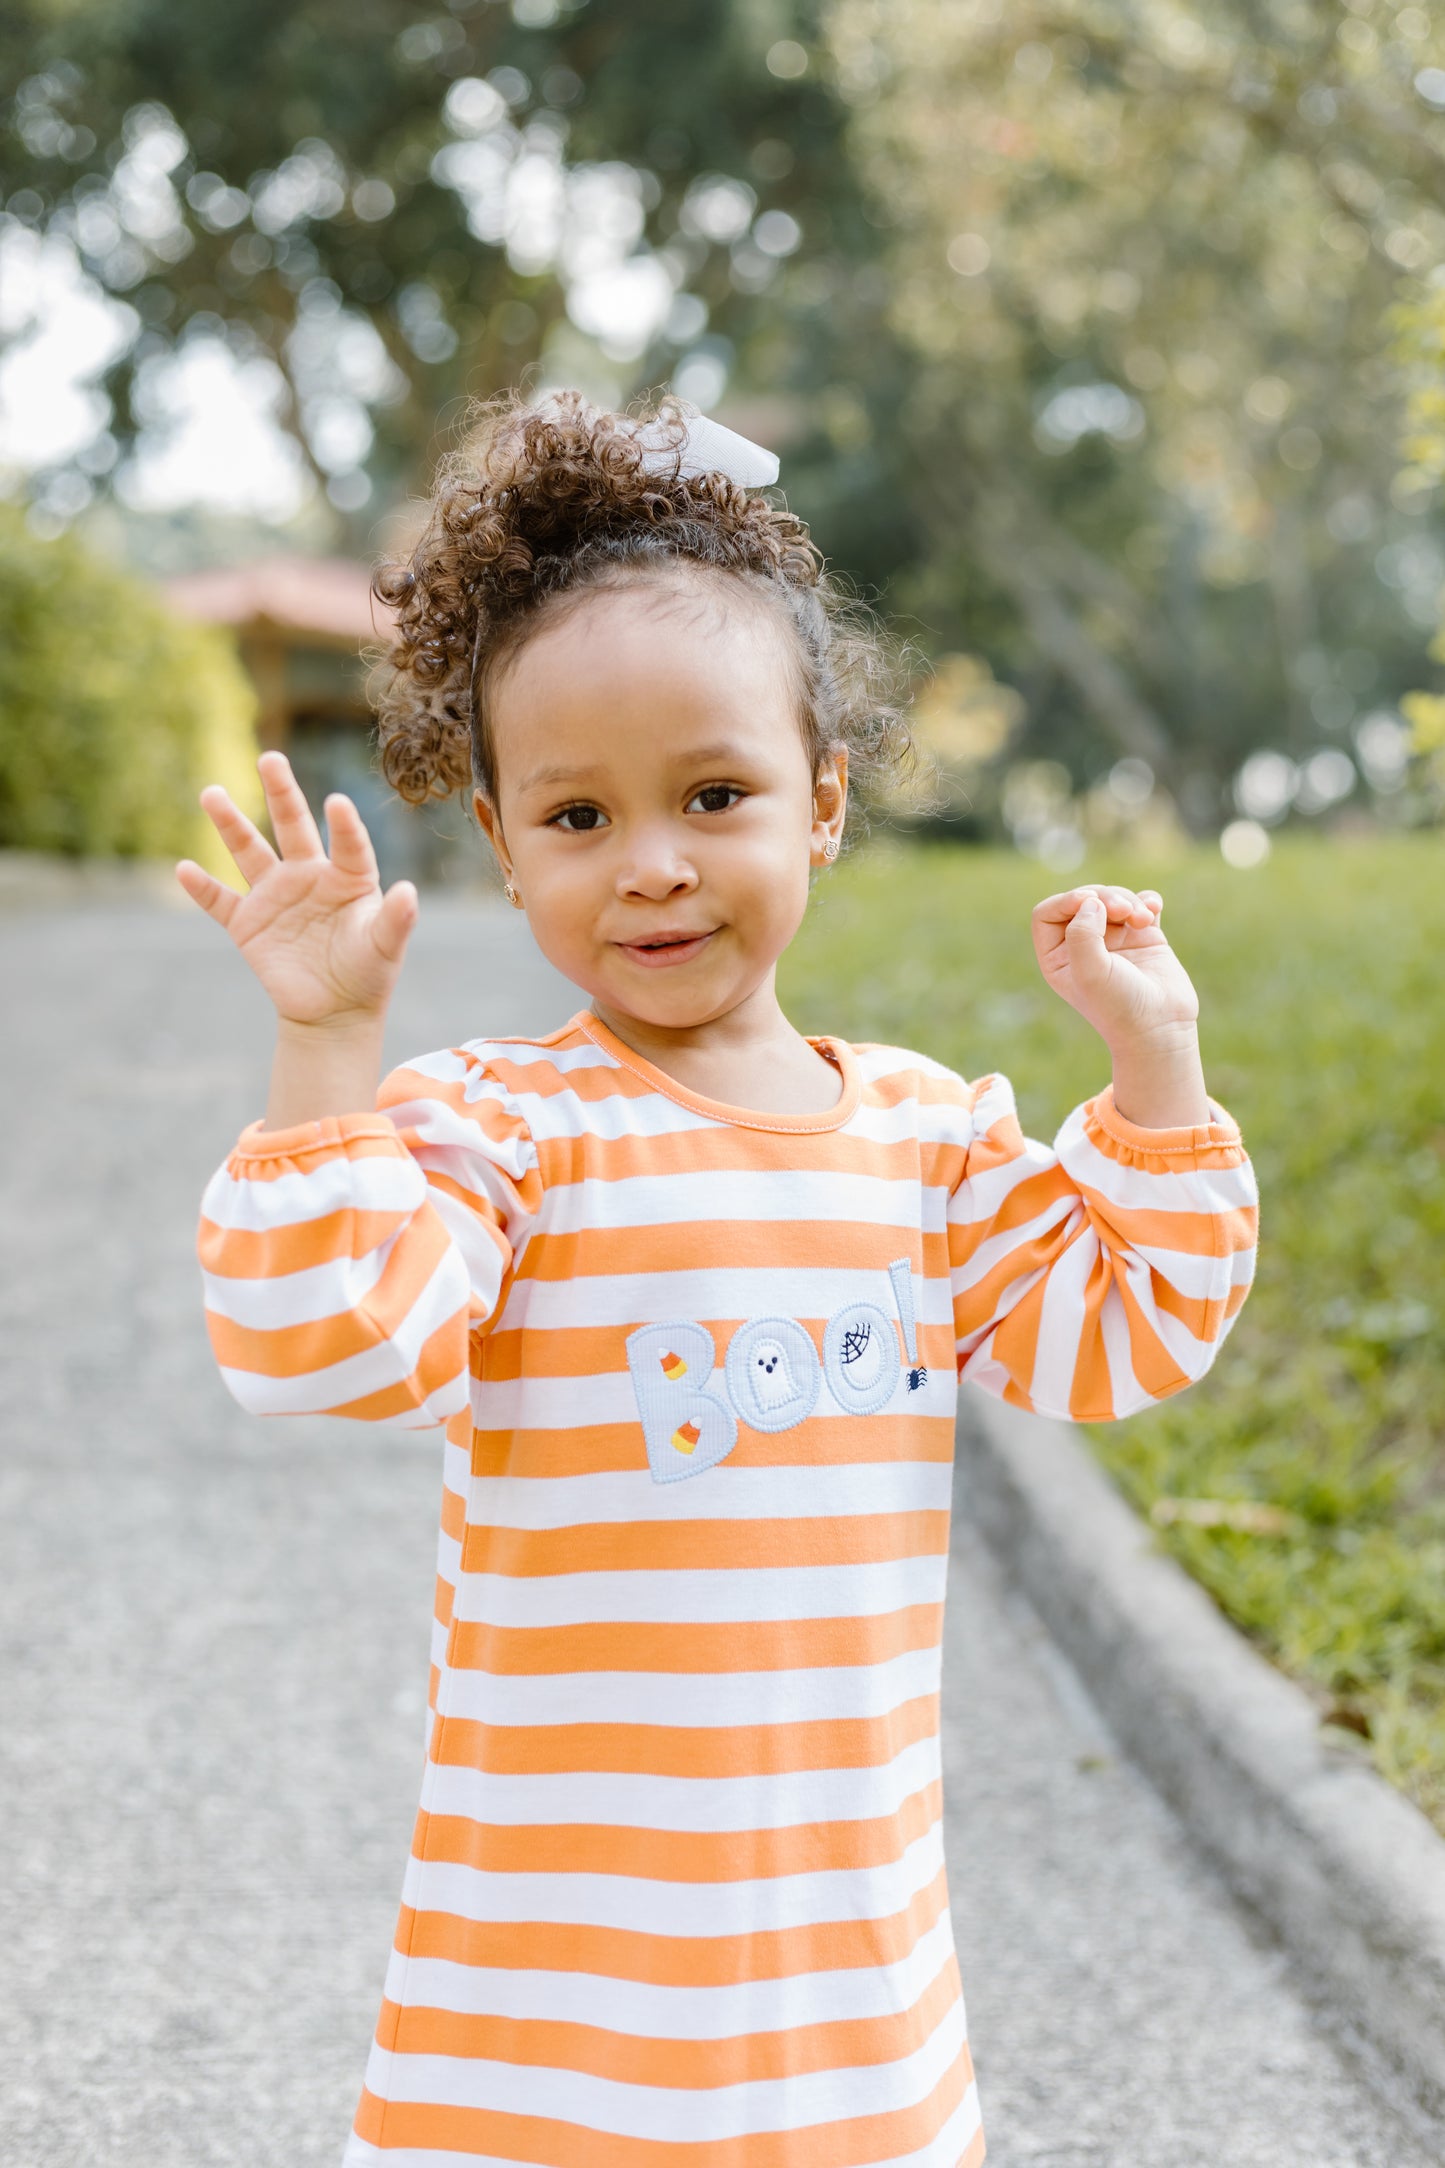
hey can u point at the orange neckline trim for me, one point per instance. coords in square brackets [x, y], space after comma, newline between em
[836, 1051]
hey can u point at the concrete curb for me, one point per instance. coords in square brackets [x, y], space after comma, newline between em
[1346, 1871]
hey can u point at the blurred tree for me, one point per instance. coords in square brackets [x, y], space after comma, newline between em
[1143, 258]
[105, 740]
[1067, 315]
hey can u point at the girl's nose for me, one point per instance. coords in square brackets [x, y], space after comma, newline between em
[655, 868]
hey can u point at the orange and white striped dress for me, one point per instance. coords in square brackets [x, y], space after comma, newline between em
[677, 1897]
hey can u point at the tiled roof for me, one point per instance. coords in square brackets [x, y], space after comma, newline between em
[329, 597]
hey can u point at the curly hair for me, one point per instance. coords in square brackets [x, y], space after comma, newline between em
[539, 505]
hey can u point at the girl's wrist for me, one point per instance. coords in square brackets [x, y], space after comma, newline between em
[1159, 1078]
[324, 1069]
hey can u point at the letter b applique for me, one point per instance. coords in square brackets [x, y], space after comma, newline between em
[685, 1427]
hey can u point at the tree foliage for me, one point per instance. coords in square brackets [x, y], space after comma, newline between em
[113, 713]
[1144, 259]
[1070, 317]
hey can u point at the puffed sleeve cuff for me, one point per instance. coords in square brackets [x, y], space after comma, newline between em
[1215, 1143]
[304, 1139]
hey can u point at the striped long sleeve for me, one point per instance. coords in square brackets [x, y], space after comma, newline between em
[347, 1260]
[1097, 1278]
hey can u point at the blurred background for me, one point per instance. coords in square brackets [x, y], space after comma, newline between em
[1103, 346]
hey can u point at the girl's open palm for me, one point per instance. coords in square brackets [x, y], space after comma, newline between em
[1103, 951]
[317, 931]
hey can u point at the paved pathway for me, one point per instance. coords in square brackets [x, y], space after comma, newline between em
[212, 1651]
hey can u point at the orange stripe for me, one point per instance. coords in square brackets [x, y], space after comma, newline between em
[747, 1645]
[848, 1539]
[1195, 1234]
[672, 1855]
[625, 1953]
[1091, 1391]
[291, 1351]
[439, 1363]
[1153, 1365]
[254, 1158]
[714, 1245]
[1026, 1201]
[245, 1253]
[726, 1150]
[822, 1442]
[550, 2144]
[689, 2065]
[686, 1750]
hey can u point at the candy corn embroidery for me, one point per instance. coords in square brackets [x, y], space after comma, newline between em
[686, 1435]
[673, 1367]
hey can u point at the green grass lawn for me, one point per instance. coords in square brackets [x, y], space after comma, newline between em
[1322, 979]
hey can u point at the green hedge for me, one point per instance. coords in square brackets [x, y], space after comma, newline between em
[1324, 1033]
[113, 712]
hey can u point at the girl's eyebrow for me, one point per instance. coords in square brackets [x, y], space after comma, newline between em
[699, 756]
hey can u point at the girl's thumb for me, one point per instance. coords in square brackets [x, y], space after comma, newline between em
[1084, 936]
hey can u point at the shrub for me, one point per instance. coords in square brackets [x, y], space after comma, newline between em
[113, 712]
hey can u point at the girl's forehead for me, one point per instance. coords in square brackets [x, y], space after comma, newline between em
[615, 671]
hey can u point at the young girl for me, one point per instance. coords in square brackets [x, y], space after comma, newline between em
[690, 1293]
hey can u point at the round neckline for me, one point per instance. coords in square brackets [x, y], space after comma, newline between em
[837, 1051]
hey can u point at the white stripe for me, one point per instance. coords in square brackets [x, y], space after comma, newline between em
[630, 1905]
[1126, 1394]
[1061, 1327]
[1203, 1279]
[983, 1195]
[720, 1291]
[379, 1181]
[672, 2013]
[671, 2114]
[388, 1363]
[297, 1298]
[818, 1693]
[701, 1595]
[716, 1804]
[738, 1494]
[1172, 1188]
[995, 1250]
[749, 1195]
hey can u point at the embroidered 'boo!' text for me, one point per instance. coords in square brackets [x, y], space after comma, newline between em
[771, 1379]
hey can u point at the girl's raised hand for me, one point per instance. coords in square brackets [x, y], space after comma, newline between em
[1103, 951]
[317, 931]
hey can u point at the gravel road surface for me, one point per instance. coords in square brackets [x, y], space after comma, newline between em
[214, 1647]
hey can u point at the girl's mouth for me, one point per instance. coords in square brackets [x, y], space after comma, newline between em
[661, 950]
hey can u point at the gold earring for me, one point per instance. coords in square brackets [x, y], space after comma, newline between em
[511, 895]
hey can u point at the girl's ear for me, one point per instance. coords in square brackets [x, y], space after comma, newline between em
[490, 824]
[830, 805]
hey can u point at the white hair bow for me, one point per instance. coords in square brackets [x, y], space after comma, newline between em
[707, 448]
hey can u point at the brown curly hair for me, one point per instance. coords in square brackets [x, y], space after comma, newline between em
[541, 504]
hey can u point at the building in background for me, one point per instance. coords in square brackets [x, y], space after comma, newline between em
[303, 626]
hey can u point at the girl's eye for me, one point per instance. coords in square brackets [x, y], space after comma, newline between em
[577, 820]
[714, 798]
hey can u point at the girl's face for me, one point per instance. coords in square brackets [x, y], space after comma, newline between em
[656, 810]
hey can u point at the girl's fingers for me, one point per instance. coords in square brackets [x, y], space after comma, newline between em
[242, 838]
[351, 849]
[296, 833]
[213, 896]
[391, 927]
[1084, 939]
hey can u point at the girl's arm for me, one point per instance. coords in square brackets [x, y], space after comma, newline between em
[348, 1260]
[347, 1254]
[1096, 1278]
